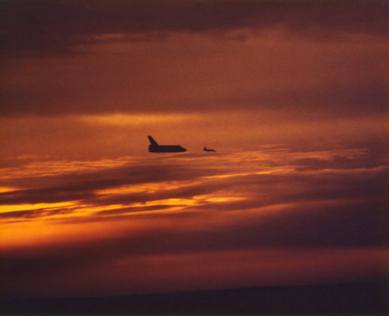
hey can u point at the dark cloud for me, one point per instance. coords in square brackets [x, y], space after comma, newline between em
[31, 214]
[21, 214]
[354, 82]
[128, 210]
[304, 226]
[81, 185]
[63, 27]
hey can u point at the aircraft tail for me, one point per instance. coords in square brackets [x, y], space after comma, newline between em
[152, 141]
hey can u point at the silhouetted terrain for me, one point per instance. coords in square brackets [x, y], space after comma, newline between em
[360, 298]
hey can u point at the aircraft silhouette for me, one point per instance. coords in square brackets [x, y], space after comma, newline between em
[209, 149]
[154, 147]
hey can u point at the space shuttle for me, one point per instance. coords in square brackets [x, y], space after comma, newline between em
[154, 147]
[209, 149]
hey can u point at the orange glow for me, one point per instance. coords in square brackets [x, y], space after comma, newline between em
[36, 206]
[45, 232]
[136, 119]
[7, 189]
[170, 202]
[147, 187]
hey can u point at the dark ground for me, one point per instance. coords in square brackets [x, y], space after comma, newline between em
[369, 298]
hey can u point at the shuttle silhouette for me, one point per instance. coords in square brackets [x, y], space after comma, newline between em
[154, 147]
[209, 149]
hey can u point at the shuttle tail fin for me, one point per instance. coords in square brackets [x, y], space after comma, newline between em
[152, 141]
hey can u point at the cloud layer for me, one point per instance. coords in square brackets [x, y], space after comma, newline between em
[46, 27]
[294, 58]
[196, 208]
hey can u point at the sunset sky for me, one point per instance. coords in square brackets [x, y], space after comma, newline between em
[293, 95]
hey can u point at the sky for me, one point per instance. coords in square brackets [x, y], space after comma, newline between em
[293, 95]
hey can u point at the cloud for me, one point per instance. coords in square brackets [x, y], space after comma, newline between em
[300, 228]
[202, 184]
[46, 27]
[82, 185]
[305, 201]
[243, 68]
[304, 226]
[269, 72]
